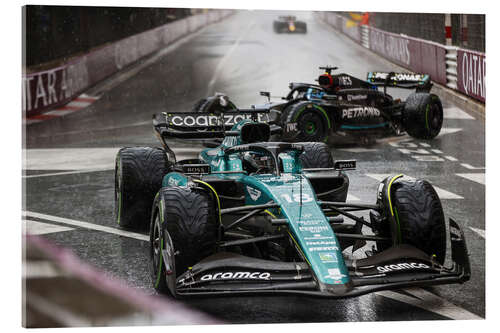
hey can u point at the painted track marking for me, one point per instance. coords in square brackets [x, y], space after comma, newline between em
[480, 232]
[430, 302]
[66, 173]
[443, 194]
[456, 113]
[475, 177]
[81, 159]
[76, 104]
[39, 228]
[447, 130]
[87, 225]
[358, 150]
[470, 167]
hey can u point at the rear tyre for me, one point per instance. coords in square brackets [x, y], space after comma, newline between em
[419, 217]
[210, 104]
[139, 172]
[191, 221]
[423, 116]
[318, 155]
[311, 121]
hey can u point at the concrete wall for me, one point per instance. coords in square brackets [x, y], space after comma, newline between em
[57, 86]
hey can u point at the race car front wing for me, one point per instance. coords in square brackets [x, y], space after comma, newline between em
[401, 266]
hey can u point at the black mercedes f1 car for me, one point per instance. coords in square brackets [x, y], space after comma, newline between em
[341, 106]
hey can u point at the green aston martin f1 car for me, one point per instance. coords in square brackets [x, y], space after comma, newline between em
[255, 217]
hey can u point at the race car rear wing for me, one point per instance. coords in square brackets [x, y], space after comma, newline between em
[421, 82]
[201, 125]
[204, 126]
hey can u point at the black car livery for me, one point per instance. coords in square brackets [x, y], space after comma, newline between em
[342, 106]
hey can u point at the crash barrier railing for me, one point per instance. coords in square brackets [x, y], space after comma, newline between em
[57, 86]
[451, 67]
[60, 290]
[365, 36]
[456, 68]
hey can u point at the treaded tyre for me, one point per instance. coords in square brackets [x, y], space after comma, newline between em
[191, 221]
[312, 122]
[139, 172]
[418, 210]
[157, 243]
[316, 155]
[423, 115]
[209, 104]
[302, 26]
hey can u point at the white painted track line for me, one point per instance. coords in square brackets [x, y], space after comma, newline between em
[87, 225]
[358, 150]
[456, 113]
[39, 228]
[447, 130]
[475, 177]
[89, 159]
[470, 167]
[480, 232]
[430, 302]
[66, 173]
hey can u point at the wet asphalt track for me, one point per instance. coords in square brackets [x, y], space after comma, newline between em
[69, 177]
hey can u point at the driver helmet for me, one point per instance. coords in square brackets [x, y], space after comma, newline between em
[328, 82]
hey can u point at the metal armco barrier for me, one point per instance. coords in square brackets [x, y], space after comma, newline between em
[451, 67]
[456, 68]
[60, 290]
[57, 86]
[365, 36]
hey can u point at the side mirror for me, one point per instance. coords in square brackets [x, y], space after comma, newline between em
[266, 94]
[255, 132]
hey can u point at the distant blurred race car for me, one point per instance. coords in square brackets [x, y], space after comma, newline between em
[289, 24]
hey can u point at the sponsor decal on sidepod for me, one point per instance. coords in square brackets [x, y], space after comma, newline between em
[360, 112]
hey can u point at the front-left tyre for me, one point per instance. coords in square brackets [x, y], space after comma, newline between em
[139, 173]
[184, 226]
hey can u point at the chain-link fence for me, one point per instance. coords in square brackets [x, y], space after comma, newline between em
[56, 32]
[468, 30]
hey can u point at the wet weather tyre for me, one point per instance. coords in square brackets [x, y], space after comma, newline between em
[312, 124]
[209, 105]
[422, 116]
[200, 106]
[418, 211]
[139, 172]
[316, 155]
[156, 245]
[192, 223]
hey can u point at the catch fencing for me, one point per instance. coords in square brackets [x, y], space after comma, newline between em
[457, 68]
